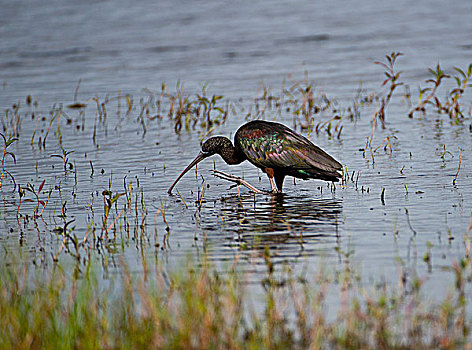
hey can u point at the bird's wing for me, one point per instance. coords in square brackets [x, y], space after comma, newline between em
[280, 147]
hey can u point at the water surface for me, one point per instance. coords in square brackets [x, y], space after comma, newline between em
[118, 47]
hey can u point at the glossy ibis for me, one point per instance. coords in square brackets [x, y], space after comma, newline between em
[274, 148]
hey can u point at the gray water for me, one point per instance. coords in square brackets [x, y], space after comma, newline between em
[119, 47]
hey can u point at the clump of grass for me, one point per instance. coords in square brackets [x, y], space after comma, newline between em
[108, 200]
[306, 104]
[427, 95]
[64, 156]
[36, 193]
[393, 81]
[188, 111]
[6, 144]
[12, 120]
[452, 105]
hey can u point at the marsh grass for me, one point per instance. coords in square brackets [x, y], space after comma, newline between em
[452, 104]
[310, 109]
[199, 307]
[6, 144]
[392, 78]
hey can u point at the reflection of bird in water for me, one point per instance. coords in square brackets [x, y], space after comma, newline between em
[283, 223]
[276, 149]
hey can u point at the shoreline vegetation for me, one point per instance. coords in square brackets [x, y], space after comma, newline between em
[196, 307]
[58, 299]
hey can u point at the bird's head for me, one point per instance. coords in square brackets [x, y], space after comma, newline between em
[214, 145]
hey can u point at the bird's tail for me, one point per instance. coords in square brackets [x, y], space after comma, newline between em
[320, 174]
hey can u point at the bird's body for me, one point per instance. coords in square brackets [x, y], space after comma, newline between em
[274, 148]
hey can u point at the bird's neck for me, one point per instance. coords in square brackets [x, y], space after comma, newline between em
[232, 155]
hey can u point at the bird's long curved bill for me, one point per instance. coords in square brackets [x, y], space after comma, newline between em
[197, 159]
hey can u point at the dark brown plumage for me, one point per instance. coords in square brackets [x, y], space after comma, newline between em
[274, 148]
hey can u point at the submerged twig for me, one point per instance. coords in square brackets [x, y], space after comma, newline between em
[186, 206]
[409, 223]
[236, 180]
[458, 168]
[114, 222]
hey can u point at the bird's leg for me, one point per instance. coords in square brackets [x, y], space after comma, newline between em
[236, 180]
[270, 174]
